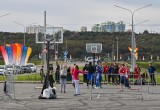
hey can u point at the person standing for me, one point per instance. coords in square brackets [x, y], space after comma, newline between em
[99, 71]
[112, 73]
[137, 74]
[137, 71]
[85, 75]
[127, 75]
[51, 80]
[123, 71]
[109, 73]
[76, 79]
[63, 77]
[116, 71]
[90, 75]
[151, 71]
[105, 72]
[72, 70]
[57, 75]
[42, 74]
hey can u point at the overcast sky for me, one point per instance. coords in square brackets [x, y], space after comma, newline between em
[73, 14]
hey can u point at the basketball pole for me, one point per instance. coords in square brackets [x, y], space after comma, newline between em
[45, 58]
[94, 55]
[44, 45]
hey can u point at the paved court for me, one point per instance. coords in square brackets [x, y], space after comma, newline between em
[109, 99]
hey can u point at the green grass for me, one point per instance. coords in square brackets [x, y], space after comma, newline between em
[24, 77]
[146, 65]
[28, 77]
[37, 77]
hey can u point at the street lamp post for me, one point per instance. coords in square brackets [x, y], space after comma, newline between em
[117, 49]
[24, 37]
[113, 51]
[4, 35]
[5, 14]
[133, 59]
[24, 26]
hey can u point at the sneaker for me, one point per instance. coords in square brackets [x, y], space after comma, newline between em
[129, 87]
[75, 95]
[96, 87]
[64, 91]
[121, 91]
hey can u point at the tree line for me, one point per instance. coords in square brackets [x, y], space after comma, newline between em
[75, 43]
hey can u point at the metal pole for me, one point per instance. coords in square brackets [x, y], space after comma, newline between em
[57, 52]
[3, 34]
[66, 44]
[44, 45]
[5, 14]
[132, 46]
[4, 40]
[48, 45]
[113, 51]
[24, 37]
[117, 49]
[133, 60]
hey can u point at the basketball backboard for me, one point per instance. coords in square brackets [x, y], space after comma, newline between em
[55, 33]
[94, 47]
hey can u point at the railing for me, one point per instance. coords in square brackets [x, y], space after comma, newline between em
[115, 89]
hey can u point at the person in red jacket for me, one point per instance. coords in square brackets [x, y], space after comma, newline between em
[105, 72]
[72, 70]
[137, 71]
[76, 79]
[124, 75]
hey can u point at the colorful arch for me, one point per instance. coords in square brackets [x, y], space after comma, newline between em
[15, 54]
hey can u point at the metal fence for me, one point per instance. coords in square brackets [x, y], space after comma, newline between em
[10, 89]
[108, 88]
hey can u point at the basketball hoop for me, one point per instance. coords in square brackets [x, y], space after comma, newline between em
[49, 33]
[94, 47]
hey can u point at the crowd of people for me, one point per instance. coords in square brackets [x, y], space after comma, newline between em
[92, 75]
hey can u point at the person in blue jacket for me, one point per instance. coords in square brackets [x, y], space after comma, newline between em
[99, 71]
[151, 71]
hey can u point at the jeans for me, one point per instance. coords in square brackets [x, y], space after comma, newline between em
[124, 81]
[63, 84]
[77, 86]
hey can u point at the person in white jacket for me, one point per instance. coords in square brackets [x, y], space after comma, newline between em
[63, 77]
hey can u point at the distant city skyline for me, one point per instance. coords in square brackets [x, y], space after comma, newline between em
[74, 14]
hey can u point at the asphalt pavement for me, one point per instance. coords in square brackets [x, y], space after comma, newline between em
[107, 98]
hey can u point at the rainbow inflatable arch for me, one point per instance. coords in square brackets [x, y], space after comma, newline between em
[15, 54]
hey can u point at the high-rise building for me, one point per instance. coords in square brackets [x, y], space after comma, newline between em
[109, 26]
[96, 28]
[83, 29]
[120, 26]
[32, 29]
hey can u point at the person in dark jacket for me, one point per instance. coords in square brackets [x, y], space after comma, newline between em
[151, 71]
[57, 75]
[90, 76]
[85, 75]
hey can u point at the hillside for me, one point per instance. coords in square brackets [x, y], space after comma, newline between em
[75, 42]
